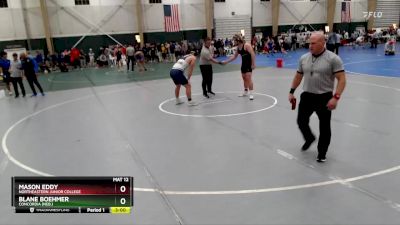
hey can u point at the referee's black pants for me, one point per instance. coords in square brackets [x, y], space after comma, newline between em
[374, 43]
[337, 45]
[131, 59]
[207, 74]
[32, 79]
[310, 103]
[330, 47]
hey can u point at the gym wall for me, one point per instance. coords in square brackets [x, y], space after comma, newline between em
[118, 18]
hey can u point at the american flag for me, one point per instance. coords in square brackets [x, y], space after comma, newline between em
[171, 18]
[346, 18]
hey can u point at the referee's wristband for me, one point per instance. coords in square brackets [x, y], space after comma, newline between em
[292, 90]
[336, 96]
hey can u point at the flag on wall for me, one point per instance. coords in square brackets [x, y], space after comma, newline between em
[171, 18]
[346, 18]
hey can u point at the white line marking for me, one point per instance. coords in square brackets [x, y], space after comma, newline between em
[375, 60]
[3, 164]
[342, 181]
[352, 125]
[375, 85]
[5, 136]
[232, 192]
[67, 82]
[351, 73]
[285, 154]
[215, 102]
[290, 64]
[4, 140]
[160, 107]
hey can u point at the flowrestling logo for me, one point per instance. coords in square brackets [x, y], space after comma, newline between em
[368, 15]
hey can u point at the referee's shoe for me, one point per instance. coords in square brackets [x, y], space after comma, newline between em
[321, 159]
[307, 144]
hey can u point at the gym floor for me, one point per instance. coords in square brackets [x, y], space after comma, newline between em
[227, 160]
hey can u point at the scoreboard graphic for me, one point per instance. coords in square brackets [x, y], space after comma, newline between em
[72, 194]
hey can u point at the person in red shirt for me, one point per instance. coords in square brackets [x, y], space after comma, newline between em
[75, 58]
[123, 49]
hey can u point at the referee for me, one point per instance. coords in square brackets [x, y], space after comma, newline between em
[319, 68]
[206, 57]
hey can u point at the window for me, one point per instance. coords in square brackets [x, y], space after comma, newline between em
[3, 4]
[82, 2]
[154, 1]
[219, 0]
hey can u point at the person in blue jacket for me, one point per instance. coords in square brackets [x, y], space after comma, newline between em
[29, 69]
[4, 70]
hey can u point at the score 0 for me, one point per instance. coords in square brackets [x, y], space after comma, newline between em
[123, 186]
[124, 190]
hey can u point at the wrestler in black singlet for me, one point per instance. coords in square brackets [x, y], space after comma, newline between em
[246, 60]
